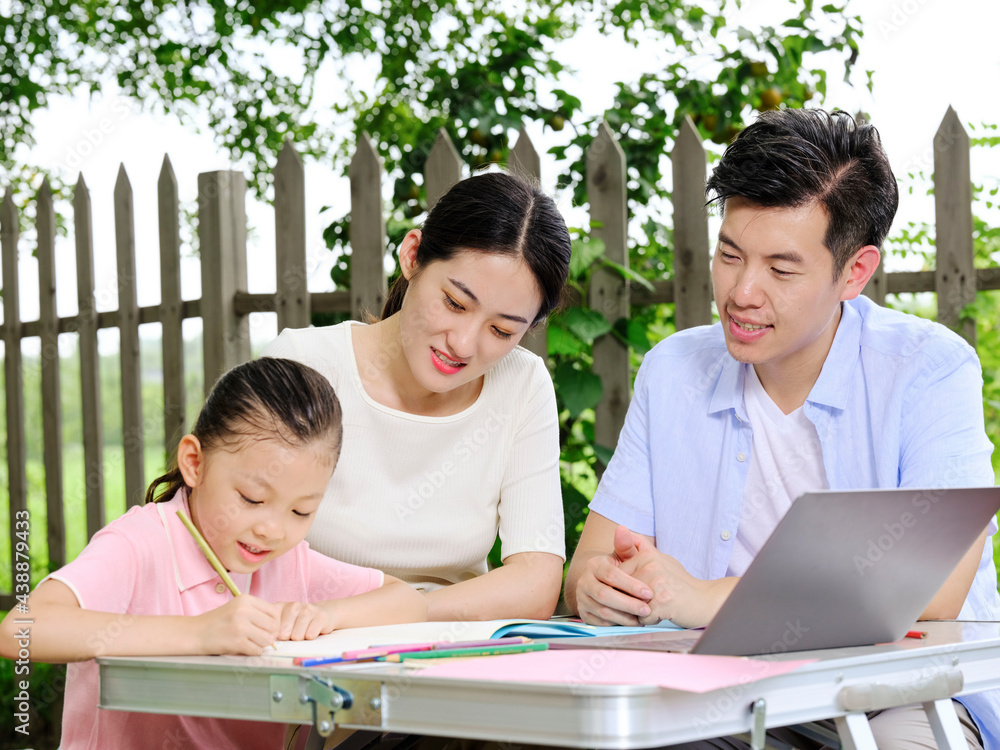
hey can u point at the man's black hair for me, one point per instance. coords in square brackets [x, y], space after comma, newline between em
[791, 157]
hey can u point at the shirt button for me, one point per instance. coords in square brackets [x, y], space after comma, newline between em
[725, 536]
[220, 588]
[741, 457]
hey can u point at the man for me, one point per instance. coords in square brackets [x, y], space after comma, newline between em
[802, 385]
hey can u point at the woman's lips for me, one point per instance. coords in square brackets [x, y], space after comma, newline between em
[444, 363]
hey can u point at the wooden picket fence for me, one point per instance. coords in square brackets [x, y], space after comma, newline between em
[225, 303]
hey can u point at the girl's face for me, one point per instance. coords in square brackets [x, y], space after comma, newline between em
[254, 503]
[461, 316]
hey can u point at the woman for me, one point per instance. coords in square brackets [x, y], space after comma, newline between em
[451, 431]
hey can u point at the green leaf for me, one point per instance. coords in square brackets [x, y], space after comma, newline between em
[628, 273]
[585, 251]
[579, 390]
[586, 324]
[634, 333]
[603, 453]
[563, 343]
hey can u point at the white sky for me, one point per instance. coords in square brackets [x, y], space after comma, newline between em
[926, 55]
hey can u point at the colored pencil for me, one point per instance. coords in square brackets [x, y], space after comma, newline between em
[364, 653]
[514, 648]
[400, 648]
[319, 661]
[369, 654]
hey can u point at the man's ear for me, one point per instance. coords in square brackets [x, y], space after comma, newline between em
[408, 253]
[859, 269]
[190, 460]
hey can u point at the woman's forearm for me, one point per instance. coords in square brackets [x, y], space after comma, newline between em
[526, 586]
[394, 602]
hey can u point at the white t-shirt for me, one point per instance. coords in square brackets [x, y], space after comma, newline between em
[786, 459]
[423, 498]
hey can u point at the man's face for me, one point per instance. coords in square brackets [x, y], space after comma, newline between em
[774, 287]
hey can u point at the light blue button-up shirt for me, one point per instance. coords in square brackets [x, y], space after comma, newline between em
[897, 404]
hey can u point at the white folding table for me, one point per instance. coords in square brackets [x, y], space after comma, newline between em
[956, 658]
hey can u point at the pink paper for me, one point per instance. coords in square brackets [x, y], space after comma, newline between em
[690, 672]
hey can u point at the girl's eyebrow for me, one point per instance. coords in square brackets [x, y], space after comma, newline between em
[263, 484]
[260, 481]
[474, 298]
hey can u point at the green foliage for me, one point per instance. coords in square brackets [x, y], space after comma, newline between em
[257, 73]
[45, 686]
[74, 490]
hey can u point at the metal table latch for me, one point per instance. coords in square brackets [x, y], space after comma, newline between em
[313, 698]
[326, 699]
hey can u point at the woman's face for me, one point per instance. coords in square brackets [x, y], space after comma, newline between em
[461, 316]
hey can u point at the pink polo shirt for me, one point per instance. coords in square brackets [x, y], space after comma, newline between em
[146, 563]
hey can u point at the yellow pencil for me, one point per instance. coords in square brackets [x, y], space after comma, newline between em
[212, 558]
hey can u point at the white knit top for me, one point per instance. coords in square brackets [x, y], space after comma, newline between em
[422, 498]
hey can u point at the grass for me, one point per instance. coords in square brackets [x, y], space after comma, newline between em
[75, 511]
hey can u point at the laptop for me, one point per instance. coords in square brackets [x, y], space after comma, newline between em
[840, 569]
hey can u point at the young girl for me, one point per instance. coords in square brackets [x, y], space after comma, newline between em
[250, 476]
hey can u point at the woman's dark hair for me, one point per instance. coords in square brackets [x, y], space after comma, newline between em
[263, 399]
[788, 158]
[496, 213]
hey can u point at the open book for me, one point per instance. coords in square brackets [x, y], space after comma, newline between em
[349, 639]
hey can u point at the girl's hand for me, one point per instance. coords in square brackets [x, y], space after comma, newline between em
[303, 622]
[244, 625]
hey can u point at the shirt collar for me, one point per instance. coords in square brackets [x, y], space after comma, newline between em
[728, 393]
[832, 388]
[191, 567]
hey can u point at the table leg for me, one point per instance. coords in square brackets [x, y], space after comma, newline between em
[944, 721]
[314, 741]
[855, 732]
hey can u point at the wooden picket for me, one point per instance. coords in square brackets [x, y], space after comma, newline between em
[45, 227]
[367, 233]
[171, 308]
[609, 292]
[133, 434]
[292, 296]
[692, 279]
[222, 238]
[17, 472]
[443, 168]
[90, 379]
[955, 275]
[525, 162]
